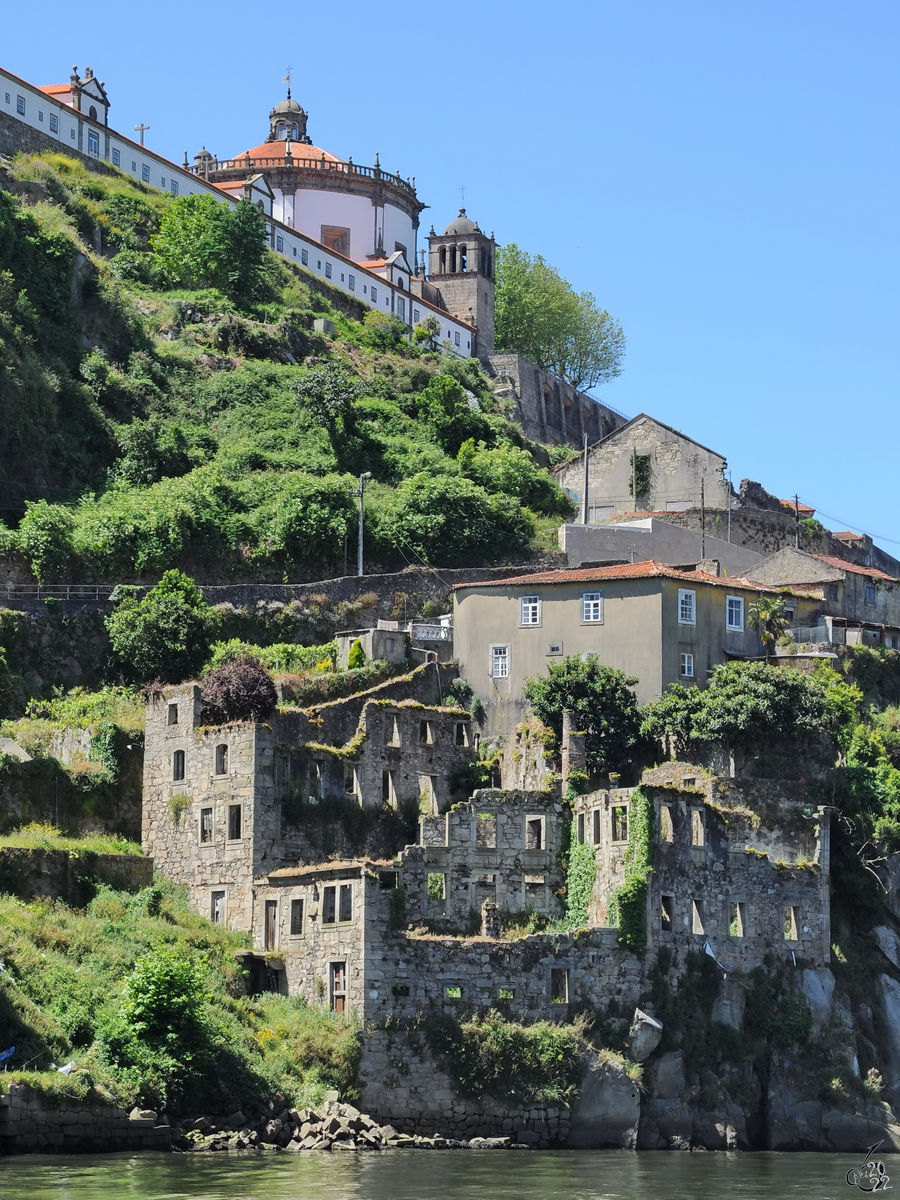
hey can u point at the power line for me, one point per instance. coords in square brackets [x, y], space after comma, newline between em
[882, 537]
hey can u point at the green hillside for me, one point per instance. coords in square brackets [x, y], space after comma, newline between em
[161, 407]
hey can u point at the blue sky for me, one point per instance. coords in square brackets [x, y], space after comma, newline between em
[722, 176]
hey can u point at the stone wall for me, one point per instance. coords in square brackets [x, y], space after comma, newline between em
[60, 875]
[18, 137]
[30, 1122]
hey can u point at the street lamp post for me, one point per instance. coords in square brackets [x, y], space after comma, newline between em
[359, 491]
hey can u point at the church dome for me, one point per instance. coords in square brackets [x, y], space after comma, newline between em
[461, 225]
[284, 107]
[287, 122]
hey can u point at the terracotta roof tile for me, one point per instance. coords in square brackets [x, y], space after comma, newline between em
[841, 565]
[642, 570]
[299, 152]
[846, 536]
[803, 509]
[56, 89]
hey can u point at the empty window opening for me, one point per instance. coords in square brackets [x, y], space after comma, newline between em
[485, 885]
[689, 781]
[697, 838]
[388, 795]
[387, 880]
[666, 913]
[506, 993]
[595, 820]
[350, 780]
[217, 908]
[393, 732]
[329, 905]
[737, 919]
[534, 833]
[296, 917]
[666, 828]
[338, 989]
[315, 779]
[580, 828]
[234, 822]
[559, 985]
[462, 734]
[426, 733]
[221, 759]
[172, 718]
[400, 990]
[271, 924]
[535, 890]
[696, 916]
[178, 765]
[454, 992]
[345, 902]
[790, 923]
[206, 825]
[486, 831]
[427, 794]
[282, 769]
[620, 823]
[436, 887]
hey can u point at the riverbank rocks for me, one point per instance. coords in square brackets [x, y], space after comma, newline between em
[333, 1126]
[607, 1110]
[644, 1035]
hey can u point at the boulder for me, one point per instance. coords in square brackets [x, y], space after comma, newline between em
[852, 1133]
[888, 942]
[667, 1076]
[644, 1035]
[793, 1124]
[665, 1124]
[818, 988]
[728, 1007]
[607, 1110]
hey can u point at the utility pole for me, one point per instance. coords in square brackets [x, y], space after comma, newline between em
[796, 521]
[140, 129]
[702, 518]
[359, 491]
[634, 478]
[584, 499]
[729, 506]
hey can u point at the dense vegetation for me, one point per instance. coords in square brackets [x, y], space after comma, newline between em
[181, 412]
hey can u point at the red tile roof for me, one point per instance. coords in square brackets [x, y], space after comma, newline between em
[299, 152]
[846, 536]
[642, 570]
[841, 565]
[804, 509]
[56, 89]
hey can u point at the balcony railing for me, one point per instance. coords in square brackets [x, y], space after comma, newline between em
[816, 633]
[303, 162]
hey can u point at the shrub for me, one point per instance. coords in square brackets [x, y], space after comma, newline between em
[45, 536]
[514, 472]
[357, 656]
[239, 690]
[205, 243]
[165, 634]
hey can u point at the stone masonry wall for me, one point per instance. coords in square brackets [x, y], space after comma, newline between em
[30, 1122]
[59, 875]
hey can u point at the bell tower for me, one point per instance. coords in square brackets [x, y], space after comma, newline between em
[461, 265]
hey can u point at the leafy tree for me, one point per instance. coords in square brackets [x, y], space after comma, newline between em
[328, 393]
[167, 633]
[241, 689]
[427, 333]
[539, 314]
[768, 616]
[507, 469]
[207, 243]
[602, 701]
[357, 656]
[381, 331]
[45, 535]
[452, 414]
[151, 450]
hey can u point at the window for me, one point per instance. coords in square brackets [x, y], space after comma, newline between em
[554, 648]
[217, 908]
[178, 765]
[666, 913]
[696, 916]
[72, 133]
[172, 718]
[221, 759]
[234, 822]
[206, 825]
[426, 733]
[329, 905]
[534, 833]
[20, 105]
[737, 921]
[350, 780]
[296, 918]
[456, 337]
[388, 880]
[734, 613]
[870, 592]
[304, 257]
[336, 237]
[790, 923]
[687, 607]
[506, 993]
[173, 186]
[400, 990]
[559, 985]
[338, 989]
[417, 316]
[666, 828]
[499, 662]
[530, 610]
[436, 887]
[145, 173]
[592, 607]
[486, 831]
[351, 283]
[345, 902]
[687, 665]
[595, 820]
[697, 838]
[92, 113]
[328, 270]
[454, 992]
[388, 794]
[279, 243]
[373, 295]
[271, 925]
[7, 97]
[54, 124]
[162, 181]
[133, 164]
[620, 823]
[401, 309]
[832, 591]
[117, 158]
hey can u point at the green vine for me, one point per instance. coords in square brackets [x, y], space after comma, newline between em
[579, 880]
[104, 748]
[628, 903]
[641, 478]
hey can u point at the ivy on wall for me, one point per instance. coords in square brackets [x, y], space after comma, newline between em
[628, 903]
[579, 879]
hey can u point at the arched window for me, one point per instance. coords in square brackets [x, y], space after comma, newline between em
[482, 261]
[452, 260]
[280, 130]
[443, 259]
[293, 133]
[490, 266]
[221, 759]
[178, 765]
[92, 113]
[463, 258]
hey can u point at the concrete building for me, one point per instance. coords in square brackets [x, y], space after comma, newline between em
[647, 466]
[651, 621]
[652, 538]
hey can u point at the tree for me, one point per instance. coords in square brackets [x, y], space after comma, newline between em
[357, 656]
[45, 534]
[328, 393]
[166, 634]
[539, 314]
[769, 617]
[507, 469]
[603, 704]
[207, 243]
[241, 689]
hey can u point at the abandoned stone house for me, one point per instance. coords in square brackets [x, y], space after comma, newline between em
[225, 804]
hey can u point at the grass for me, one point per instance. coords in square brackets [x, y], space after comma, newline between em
[40, 836]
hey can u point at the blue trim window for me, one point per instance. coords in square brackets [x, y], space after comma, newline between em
[304, 257]
[20, 105]
[173, 186]
[145, 173]
[279, 243]
[94, 143]
[117, 157]
[54, 123]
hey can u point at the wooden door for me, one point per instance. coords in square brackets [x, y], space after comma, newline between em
[339, 987]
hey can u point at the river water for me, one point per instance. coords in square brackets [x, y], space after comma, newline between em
[432, 1175]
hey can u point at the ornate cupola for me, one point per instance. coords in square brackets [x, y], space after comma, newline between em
[287, 122]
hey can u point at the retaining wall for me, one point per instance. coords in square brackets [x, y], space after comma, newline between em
[30, 1122]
